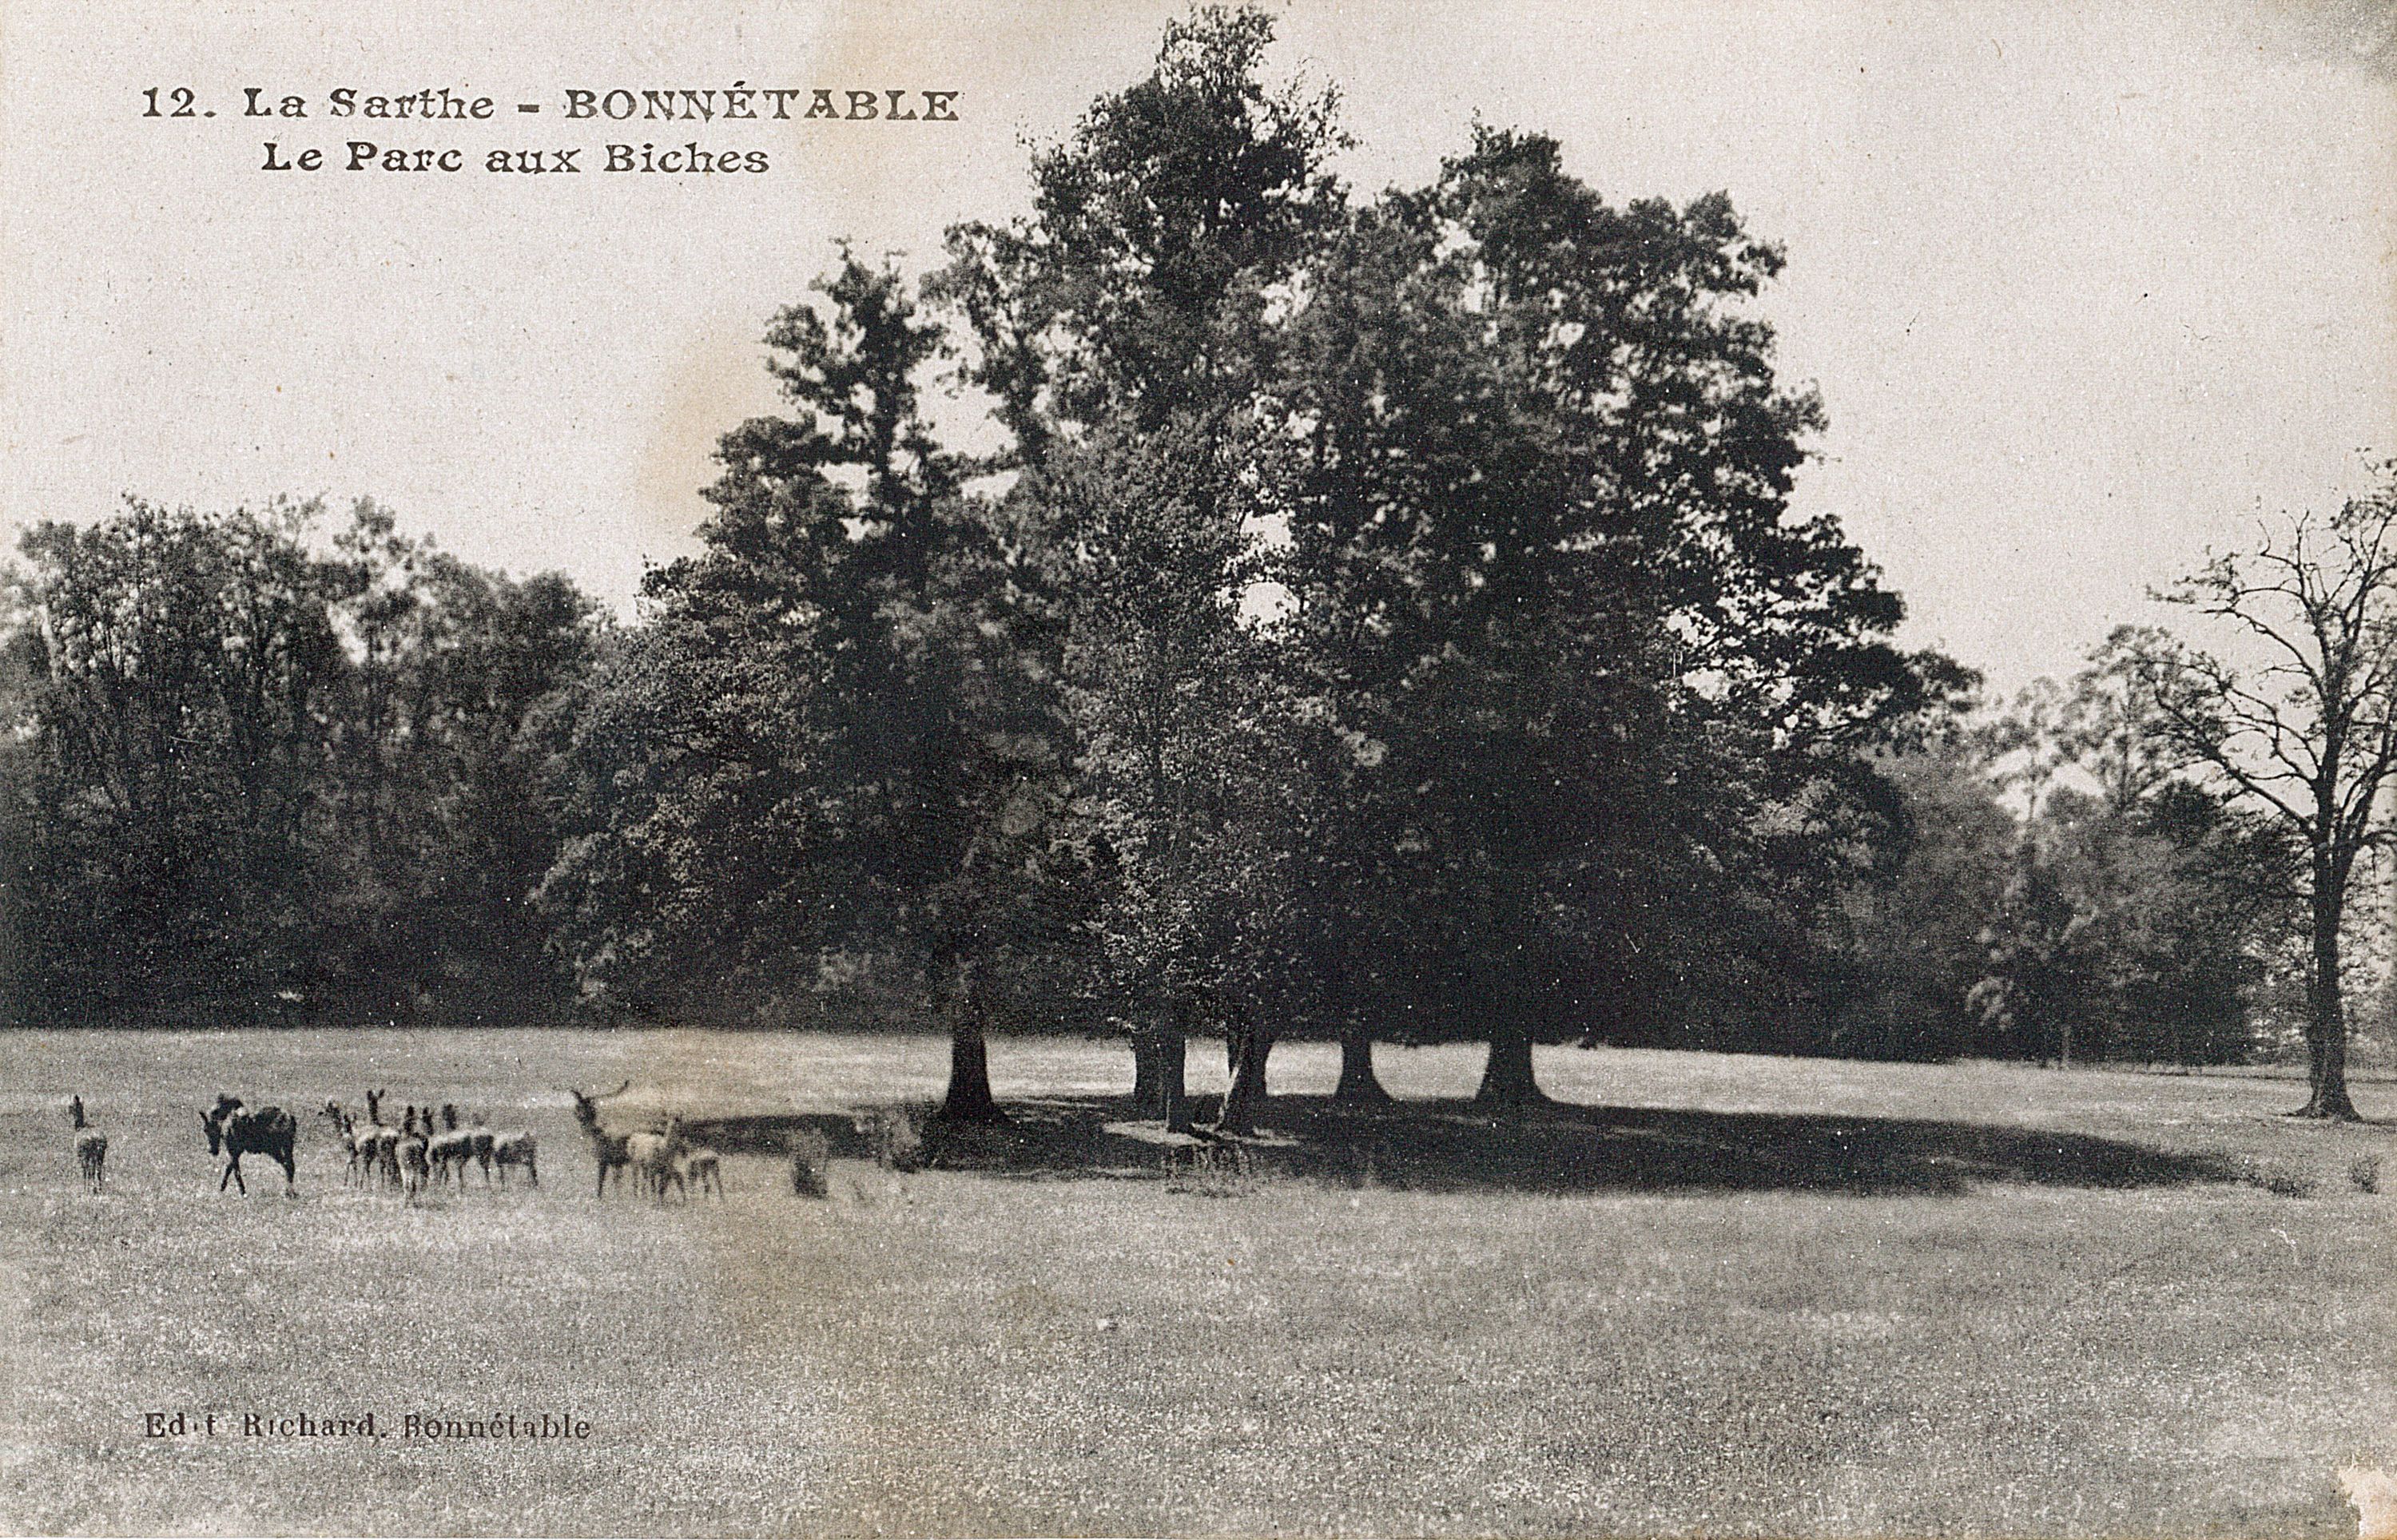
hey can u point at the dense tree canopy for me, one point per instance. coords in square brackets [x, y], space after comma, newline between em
[1542, 572]
[250, 772]
[1373, 617]
[833, 732]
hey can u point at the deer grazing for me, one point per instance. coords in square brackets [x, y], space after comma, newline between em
[609, 1150]
[234, 1131]
[91, 1148]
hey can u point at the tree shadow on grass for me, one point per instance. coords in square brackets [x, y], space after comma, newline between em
[1453, 1147]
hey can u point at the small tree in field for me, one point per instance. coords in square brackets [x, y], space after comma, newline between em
[2307, 735]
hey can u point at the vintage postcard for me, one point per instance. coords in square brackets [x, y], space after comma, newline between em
[1348, 767]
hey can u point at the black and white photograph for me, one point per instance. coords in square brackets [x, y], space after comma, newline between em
[1198, 768]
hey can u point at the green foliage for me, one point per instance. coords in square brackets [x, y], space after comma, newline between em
[247, 776]
[834, 732]
[2129, 913]
[1598, 707]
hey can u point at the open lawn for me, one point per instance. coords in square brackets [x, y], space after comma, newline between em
[1716, 1294]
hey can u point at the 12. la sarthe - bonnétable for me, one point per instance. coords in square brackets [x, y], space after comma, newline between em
[737, 104]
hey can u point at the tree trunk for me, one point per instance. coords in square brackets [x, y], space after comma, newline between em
[1506, 1078]
[1248, 1049]
[1143, 1074]
[14, 1012]
[2388, 1022]
[2325, 1012]
[1359, 1086]
[1171, 1052]
[969, 1099]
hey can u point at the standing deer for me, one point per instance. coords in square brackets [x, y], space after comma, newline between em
[414, 1164]
[608, 1150]
[234, 1131]
[702, 1171]
[450, 1151]
[481, 1136]
[505, 1150]
[653, 1158]
[91, 1148]
[360, 1151]
[384, 1137]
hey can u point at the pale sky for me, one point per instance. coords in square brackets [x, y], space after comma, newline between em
[2084, 286]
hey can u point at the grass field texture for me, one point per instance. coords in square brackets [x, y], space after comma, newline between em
[1711, 1294]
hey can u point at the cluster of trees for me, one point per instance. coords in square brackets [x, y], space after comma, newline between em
[251, 770]
[1382, 619]
[2067, 894]
[2192, 834]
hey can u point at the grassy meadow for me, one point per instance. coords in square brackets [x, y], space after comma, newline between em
[1708, 1294]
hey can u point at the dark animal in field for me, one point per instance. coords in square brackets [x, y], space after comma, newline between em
[91, 1148]
[448, 1118]
[386, 1142]
[415, 1164]
[608, 1150]
[484, 1140]
[234, 1131]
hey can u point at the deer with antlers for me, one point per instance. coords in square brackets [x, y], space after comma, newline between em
[608, 1150]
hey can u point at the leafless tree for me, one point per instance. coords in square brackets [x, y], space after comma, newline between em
[2307, 733]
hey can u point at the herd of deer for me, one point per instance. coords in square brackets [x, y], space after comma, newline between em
[421, 1149]
[656, 1157]
[424, 1148]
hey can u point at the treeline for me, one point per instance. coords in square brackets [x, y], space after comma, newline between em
[1381, 619]
[251, 775]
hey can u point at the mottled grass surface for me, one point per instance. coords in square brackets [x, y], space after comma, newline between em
[2156, 1342]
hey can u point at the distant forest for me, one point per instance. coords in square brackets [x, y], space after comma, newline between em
[1385, 621]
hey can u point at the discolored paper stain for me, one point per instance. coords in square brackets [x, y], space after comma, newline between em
[713, 383]
[2373, 1493]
